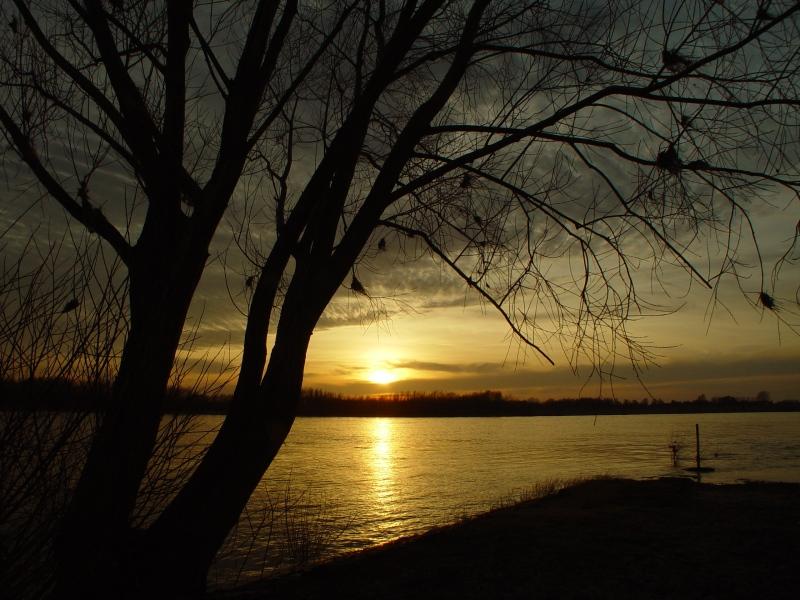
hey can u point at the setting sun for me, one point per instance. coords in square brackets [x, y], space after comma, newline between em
[381, 376]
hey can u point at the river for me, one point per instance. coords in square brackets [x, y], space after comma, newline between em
[341, 484]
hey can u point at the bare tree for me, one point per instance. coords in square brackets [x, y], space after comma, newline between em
[61, 326]
[541, 150]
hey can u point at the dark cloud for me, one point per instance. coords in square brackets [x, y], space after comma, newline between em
[755, 366]
[448, 367]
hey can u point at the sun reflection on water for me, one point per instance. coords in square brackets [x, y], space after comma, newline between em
[381, 459]
[384, 485]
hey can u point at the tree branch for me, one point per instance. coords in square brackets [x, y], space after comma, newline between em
[137, 124]
[91, 217]
[416, 233]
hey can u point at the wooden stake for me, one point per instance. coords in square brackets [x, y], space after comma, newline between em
[697, 439]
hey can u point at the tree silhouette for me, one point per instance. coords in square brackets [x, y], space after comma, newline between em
[540, 150]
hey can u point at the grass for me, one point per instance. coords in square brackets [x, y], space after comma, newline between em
[277, 534]
[540, 489]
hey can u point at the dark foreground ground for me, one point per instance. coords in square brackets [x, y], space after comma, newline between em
[668, 538]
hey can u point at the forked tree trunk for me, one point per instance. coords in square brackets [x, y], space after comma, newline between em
[181, 546]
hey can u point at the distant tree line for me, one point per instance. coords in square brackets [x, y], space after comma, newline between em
[55, 394]
[494, 403]
[68, 395]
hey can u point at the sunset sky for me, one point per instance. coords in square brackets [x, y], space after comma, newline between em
[420, 329]
[470, 349]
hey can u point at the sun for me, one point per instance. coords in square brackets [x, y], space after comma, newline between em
[381, 376]
[383, 365]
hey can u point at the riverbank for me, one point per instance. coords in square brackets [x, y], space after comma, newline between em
[606, 538]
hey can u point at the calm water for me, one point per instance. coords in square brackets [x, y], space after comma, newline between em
[366, 481]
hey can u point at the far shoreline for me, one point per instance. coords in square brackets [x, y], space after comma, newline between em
[58, 395]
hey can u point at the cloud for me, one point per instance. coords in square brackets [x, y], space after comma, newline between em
[417, 280]
[448, 367]
[349, 312]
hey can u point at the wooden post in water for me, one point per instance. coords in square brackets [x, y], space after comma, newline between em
[698, 469]
[697, 440]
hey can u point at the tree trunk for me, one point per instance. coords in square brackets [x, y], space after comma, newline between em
[181, 545]
[93, 544]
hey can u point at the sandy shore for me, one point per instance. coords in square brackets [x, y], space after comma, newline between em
[668, 538]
